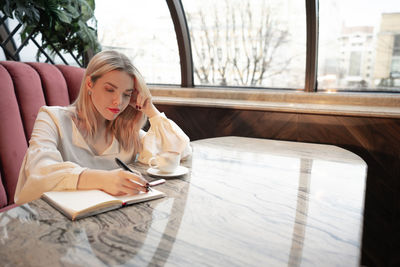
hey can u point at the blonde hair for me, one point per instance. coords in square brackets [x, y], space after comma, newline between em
[127, 125]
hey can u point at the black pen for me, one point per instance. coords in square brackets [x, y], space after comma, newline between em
[125, 167]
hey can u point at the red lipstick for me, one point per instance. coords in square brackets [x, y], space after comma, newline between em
[114, 110]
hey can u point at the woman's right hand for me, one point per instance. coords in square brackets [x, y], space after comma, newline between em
[115, 182]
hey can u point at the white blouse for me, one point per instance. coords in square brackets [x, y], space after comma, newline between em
[58, 153]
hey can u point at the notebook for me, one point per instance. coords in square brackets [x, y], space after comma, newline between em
[83, 203]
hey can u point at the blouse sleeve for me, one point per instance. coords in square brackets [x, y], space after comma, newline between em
[43, 168]
[163, 135]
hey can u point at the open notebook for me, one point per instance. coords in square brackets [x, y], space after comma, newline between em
[83, 203]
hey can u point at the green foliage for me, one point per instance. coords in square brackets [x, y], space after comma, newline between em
[63, 23]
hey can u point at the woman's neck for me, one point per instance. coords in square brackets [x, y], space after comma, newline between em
[100, 121]
[101, 139]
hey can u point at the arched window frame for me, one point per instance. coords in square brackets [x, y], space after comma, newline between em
[183, 38]
[385, 105]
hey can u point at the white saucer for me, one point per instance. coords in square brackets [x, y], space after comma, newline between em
[181, 170]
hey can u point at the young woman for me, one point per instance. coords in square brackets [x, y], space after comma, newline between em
[75, 147]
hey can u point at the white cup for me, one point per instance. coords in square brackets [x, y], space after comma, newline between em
[166, 161]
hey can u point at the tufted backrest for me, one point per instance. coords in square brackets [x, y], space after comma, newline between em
[25, 87]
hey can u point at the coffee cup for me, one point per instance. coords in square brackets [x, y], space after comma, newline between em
[166, 161]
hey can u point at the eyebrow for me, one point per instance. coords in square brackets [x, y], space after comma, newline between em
[111, 85]
[116, 87]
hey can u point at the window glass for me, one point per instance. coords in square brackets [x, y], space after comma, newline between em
[144, 31]
[251, 43]
[359, 45]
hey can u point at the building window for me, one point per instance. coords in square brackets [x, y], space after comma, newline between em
[394, 77]
[355, 63]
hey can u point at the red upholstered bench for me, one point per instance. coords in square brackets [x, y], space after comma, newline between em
[24, 88]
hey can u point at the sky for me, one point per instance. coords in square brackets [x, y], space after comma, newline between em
[366, 12]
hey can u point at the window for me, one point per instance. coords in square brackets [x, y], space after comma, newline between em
[395, 66]
[369, 58]
[254, 43]
[355, 63]
[251, 43]
[143, 30]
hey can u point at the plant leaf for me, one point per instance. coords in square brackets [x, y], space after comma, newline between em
[7, 9]
[63, 16]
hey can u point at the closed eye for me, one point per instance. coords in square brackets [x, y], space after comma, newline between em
[110, 89]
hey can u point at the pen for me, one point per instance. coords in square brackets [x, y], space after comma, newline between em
[125, 167]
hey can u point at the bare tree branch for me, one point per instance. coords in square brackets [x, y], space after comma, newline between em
[244, 48]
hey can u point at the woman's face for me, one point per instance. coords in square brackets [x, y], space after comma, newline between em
[111, 93]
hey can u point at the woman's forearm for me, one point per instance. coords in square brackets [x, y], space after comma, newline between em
[150, 110]
[90, 179]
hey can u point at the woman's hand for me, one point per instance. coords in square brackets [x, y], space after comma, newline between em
[141, 99]
[115, 182]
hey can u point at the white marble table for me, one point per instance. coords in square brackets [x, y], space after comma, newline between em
[245, 202]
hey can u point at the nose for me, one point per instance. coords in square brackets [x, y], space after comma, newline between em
[117, 99]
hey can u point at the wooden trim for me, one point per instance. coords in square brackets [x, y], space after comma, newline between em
[183, 38]
[312, 45]
[345, 104]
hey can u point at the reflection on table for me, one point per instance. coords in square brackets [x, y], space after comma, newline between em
[245, 202]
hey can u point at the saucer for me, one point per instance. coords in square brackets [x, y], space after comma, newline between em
[181, 170]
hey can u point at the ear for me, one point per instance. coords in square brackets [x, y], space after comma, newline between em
[88, 82]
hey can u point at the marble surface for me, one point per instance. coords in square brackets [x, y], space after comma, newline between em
[376, 140]
[245, 202]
